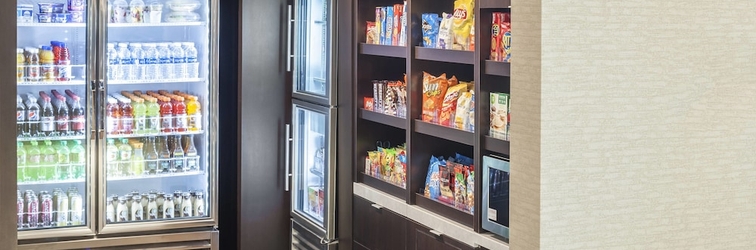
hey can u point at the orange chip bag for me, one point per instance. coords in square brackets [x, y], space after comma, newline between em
[434, 89]
[449, 105]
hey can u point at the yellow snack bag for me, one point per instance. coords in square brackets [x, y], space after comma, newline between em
[462, 22]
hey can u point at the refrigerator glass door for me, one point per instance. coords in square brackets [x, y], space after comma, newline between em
[157, 164]
[53, 123]
[312, 192]
[312, 50]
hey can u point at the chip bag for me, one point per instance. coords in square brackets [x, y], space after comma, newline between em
[430, 29]
[462, 23]
[461, 119]
[471, 190]
[434, 89]
[445, 37]
[370, 35]
[449, 105]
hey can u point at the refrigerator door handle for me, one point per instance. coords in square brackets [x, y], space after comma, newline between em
[289, 24]
[287, 156]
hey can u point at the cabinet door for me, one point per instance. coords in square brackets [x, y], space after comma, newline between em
[365, 220]
[425, 238]
[378, 228]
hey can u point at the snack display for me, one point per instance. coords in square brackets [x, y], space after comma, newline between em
[389, 97]
[441, 102]
[500, 103]
[451, 182]
[388, 27]
[431, 23]
[501, 37]
[388, 164]
[451, 30]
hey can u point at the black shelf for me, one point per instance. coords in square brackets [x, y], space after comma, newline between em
[443, 132]
[496, 145]
[445, 55]
[495, 4]
[445, 210]
[497, 68]
[386, 187]
[383, 50]
[389, 120]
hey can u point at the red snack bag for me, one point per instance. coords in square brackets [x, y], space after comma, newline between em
[398, 8]
[496, 36]
[368, 103]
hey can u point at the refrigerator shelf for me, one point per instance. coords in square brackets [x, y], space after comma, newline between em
[138, 25]
[52, 138]
[53, 25]
[156, 176]
[157, 134]
[66, 83]
[29, 183]
[188, 80]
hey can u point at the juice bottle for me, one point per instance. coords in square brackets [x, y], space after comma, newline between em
[63, 170]
[32, 65]
[153, 115]
[140, 115]
[179, 164]
[47, 61]
[124, 154]
[47, 116]
[194, 111]
[47, 170]
[164, 155]
[113, 116]
[127, 116]
[166, 114]
[112, 158]
[179, 111]
[78, 160]
[20, 162]
[77, 113]
[20, 65]
[151, 156]
[63, 62]
[192, 161]
[137, 160]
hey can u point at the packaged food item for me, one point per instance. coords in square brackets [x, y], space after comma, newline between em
[398, 12]
[471, 189]
[77, 5]
[472, 36]
[384, 23]
[496, 36]
[461, 119]
[381, 95]
[401, 94]
[374, 162]
[509, 116]
[445, 38]
[460, 187]
[378, 25]
[506, 40]
[390, 99]
[77, 16]
[400, 167]
[499, 102]
[434, 89]
[370, 34]
[24, 13]
[389, 26]
[367, 103]
[449, 105]
[44, 18]
[446, 183]
[430, 27]
[387, 162]
[471, 113]
[403, 29]
[434, 182]
[463, 22]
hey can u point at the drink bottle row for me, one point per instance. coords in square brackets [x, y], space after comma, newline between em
[153, 112]
[49, 115]
[44, 210]
[152, 61]
[44, 64]
[152, 156]
[48, 163]
[154, 206]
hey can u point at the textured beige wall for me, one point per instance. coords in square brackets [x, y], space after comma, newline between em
[647, 125]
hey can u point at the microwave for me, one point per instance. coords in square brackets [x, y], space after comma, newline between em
[495, 205]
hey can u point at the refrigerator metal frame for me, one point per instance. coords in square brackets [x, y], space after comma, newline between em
[187, 240]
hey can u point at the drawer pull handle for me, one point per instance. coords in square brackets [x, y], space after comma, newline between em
[376, 206]
[436, 233]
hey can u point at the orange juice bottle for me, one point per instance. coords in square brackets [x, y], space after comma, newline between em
[194, 111]
[20, 65]
[47, 63]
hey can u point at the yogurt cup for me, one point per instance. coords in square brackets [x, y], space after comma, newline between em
[58, 8]
[44, 18]
[45, 8]
[60, 17]
[24, 13]
[77, 5]
[77, 16]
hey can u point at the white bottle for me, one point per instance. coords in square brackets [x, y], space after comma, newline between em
[112, 62]
[136, 11]
[199, 205]
[168, 209]
[136, 208]
[150, 69]
[177, 200]
[120, 11]
[186, 205]
[152, 208]
[145, 203]
[166, 61]
[124, 61]
[123, 210]
[137, 61]
[191, 60]
[110, 214]
[179, 60]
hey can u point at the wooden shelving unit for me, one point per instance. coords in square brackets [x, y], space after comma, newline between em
[383, 50]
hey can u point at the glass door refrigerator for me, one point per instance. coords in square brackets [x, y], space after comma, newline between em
[114, 117]
[313, 136]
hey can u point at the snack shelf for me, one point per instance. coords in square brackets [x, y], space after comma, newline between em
[156, 176]
[495, 145]
[445, 55]
[53, 25]
[178, 80]
[383, 50]
[155, 134]
[29, 183]
[55, 83]
[443, 132]
[52, 138]
[384, 186]
[165, 24]
[495, 4]
[445, 210]
[389, 120]
[497, 68]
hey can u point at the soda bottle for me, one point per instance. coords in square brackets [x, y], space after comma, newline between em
[192, 70]
[20, 65]
[112, 158]
[19, 210]
[127, 116]
[166, 61]
[166, 115]
[49, 160]
[77, 113]
[113, 116]
[153, 115]
[32, 116]
[151, 156]
[63, 63]
[64, 162]
[33, 162]
[78, 160]
[164, 155]
[47, 116]
[137, 60]
[47, 61]
[32, 65]
[124, 154]
[151, 60]
[32, 210]
[62, 115]
[179, 60]
[137, 11]
[113, 63]
[20, 162]
[124, 61]
[192, 160]
[179, 163]
[20, 116]
[140, 115]
[179, 111]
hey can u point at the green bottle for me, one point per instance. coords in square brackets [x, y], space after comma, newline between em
[20, 162]
[112, 158]
[153, 116]
[33, 161]
[137, 160]
[64, 171]
[49, 160]
[140, 116]
[124, 157]
[78, 160]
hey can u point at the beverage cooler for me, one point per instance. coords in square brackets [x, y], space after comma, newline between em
[115, 125]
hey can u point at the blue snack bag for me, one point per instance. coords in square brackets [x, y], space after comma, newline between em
[431, 22]
[464, 160]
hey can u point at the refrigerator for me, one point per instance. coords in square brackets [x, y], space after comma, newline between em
[311, 146]
[115, 127]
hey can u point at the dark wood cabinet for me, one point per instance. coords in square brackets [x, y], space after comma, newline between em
[377, 228]
[421, 238]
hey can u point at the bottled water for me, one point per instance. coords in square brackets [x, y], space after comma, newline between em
[137, 61]
[124, 59]
[151, 59]
[191, 60]
[166, 62]
[179, 60]
[112, 62]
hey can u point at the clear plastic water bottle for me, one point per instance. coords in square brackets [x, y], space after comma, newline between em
[166, 61]
[112, 62]
[191, 60]
[179, 60]
[137, 61]
[124, 59]
[151, 59]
